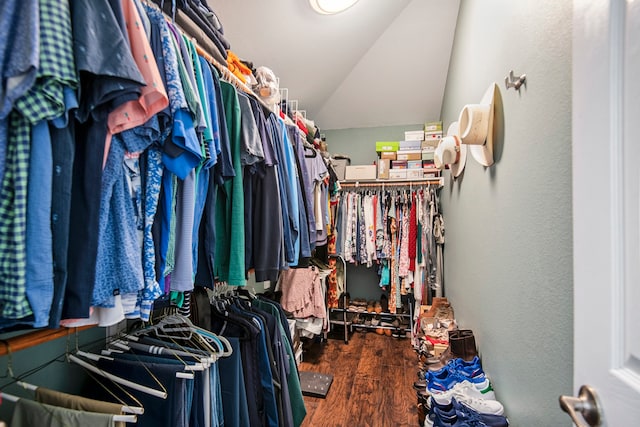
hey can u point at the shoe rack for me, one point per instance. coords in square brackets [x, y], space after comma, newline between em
[391, 324]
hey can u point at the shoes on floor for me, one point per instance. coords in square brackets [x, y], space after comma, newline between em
[456, 414]
[467, 394]
[455, 372]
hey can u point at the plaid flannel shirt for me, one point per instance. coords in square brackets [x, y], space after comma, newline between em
[44, 101]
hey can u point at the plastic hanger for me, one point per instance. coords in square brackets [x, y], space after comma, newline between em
[116, 418]
[139, 410]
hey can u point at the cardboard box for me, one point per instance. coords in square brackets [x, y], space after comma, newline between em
[410, 145]
[430, 144]
[389, 155]
[433, 127]
[361, 172]
[414, 135]
[387, 146]
[428, 155]
[409, 155]
[383, 168]
[434, 135]
[415, 173]
[428, 164]
[397, 173]
[399, 164]
[431, 170]
[414, 164]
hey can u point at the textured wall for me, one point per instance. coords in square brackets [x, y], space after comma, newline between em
[508, 254]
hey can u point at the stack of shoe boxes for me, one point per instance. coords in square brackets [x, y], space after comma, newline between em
[432, 135]
[387, 151]
[411, 158]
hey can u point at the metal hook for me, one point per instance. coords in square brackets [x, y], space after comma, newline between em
[512, 81]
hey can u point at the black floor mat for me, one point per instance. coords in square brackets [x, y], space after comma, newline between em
[315, 384]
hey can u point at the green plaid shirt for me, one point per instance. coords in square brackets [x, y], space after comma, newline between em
[44, 101]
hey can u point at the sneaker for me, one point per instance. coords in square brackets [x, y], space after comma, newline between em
[467, 394]
[445, 378]
[467, 415]
[457, 415]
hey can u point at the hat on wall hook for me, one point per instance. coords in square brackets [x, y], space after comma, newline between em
[476, 127]
[451, 152]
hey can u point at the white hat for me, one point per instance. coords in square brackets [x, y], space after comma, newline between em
[476, 127]
[451, 152]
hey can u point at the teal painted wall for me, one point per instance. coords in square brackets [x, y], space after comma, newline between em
[360, 144]
[508, 251]
[47, 365]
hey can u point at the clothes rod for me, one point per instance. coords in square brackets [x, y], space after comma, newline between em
[391, 183]
[32, 339]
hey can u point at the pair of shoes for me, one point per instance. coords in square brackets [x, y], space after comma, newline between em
[379, 331]
[370, 306]
[462, 344]
[467, 394]
[375, 321]
[456, 414]
[377, 307]
[455, 372]
[387, 332]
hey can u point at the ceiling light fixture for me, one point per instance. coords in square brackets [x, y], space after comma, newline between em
[330, 7]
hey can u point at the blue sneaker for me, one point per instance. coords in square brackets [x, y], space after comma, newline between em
[447, 377]
[440, 415]
[464, 414]
[456, 414]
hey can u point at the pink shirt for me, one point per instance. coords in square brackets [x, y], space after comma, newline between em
[153, 97]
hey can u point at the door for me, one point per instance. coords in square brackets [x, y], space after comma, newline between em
[606, 205]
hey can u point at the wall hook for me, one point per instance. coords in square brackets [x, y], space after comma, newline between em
[512, 81]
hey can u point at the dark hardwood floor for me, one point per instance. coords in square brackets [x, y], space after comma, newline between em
[372, 382]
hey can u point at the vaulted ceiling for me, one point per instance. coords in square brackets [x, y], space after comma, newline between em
[381, 62]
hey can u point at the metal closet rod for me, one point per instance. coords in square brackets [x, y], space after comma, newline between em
[432, 181]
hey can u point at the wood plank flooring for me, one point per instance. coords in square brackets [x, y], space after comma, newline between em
[372, 382]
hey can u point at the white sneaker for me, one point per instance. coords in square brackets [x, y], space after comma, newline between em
[468, 394]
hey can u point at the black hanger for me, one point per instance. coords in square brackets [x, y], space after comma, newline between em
[307, 149]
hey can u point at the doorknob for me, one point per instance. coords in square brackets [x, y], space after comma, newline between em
[586, 404]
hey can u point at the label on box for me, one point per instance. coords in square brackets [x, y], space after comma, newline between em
[414, 164]
[389, 155]
[409, 155]
[387, 146]
[433, 127]
[397, 173]
[414, 135]
[415, 173]
[436, 135]
[361, 172]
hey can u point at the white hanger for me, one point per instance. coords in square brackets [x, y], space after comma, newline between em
[116, 379]
[116, 418]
